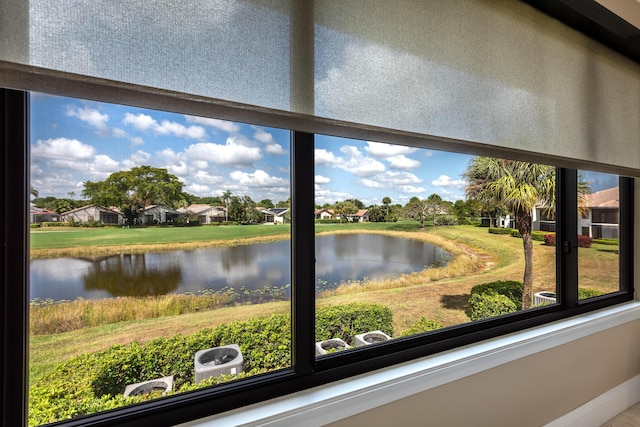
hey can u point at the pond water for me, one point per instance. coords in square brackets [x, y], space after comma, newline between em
[339, 258]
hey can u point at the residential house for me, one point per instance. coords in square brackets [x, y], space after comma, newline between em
[361, 216]
[323, 213]
[275, 215]
[93, 213]
[601, 217]
[40, 215]
[206, 214]
[159, 214]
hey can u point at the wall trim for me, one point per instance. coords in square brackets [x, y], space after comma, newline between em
[604, 407]
[338, 400]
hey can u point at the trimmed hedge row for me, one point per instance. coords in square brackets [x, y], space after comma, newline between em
[535, 234]
[95, 382]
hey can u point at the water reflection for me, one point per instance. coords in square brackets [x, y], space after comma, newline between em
[128, 275]
[339, 258]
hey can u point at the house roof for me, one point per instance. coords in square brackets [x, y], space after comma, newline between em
[278, 211]
[201, 208]
[149, 207]
[609, 198]
[100, 208]
[37, 210]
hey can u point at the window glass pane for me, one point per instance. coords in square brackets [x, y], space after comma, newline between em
[160, 254]
[403, 235]
[598, 232]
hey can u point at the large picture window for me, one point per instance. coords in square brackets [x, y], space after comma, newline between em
[171, 257]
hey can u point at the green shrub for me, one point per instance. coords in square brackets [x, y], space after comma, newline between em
[55, 224]
[95, 382]
[512, 289]
[536, 235]
[584, 293]
[348, 320]
[610, 242]
[34, 225]
[489, 304]
[446, 220]
[422, 325]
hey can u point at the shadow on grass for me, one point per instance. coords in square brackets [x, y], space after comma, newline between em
[455, 302]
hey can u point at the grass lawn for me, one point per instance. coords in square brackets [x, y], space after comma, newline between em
[444, 299]
[70, 241]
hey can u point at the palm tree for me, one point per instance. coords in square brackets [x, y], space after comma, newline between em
[386, 201]
[520, 186]
[225, 198]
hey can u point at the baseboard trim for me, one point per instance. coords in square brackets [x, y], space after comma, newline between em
[604, 407]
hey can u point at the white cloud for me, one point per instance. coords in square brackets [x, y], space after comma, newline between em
[446, 181]
[263, 136]
[402, 162]
[370, 183]
[205, 178]
[257, 179]
[358, 164]
[138, 158]
[90, 115]
[379, 149]
[197, 189]
[232, 153]
[224, 125]
[69, 164]
[104, 163]
[392, 178]
[324, 157]
[319, 179]
[145, 122]
[410, 189]
[63, 149]
[275, 149]
[200, 164]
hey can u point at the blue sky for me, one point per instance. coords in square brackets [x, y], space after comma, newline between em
[73, 141]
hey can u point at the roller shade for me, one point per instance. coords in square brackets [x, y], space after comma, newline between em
[495, 73]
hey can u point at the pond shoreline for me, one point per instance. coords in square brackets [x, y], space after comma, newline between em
[88, 251]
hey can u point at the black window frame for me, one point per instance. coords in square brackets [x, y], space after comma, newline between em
[306, 372]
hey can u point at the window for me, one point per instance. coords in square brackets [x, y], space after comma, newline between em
[430, 209]
[599, 207]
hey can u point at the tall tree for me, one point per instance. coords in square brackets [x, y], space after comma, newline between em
[520, 186]
[417, 209]
[434, 206]
[134, 189]
[386, 201]
[344, 209]
[225, 197]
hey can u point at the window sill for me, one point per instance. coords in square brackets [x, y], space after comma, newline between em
[342, 399]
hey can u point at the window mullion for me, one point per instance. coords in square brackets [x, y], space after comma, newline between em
[626, 234]
[567, 236]
[302, 253]
[14, 136]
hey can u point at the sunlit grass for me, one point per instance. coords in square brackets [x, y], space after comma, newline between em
[437, 294]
